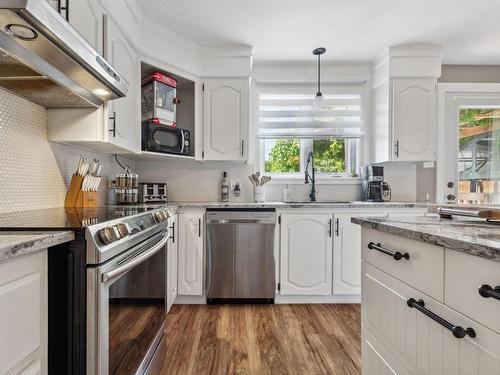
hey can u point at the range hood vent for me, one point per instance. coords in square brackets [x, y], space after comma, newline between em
[43, 59]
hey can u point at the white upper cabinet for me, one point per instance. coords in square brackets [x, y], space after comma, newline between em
[115, 127]
[225, 119]
[404, 103]
[404, 120]
[306, 254]
[86, 17]
[414, 103]
[190, 272]
[124, 121]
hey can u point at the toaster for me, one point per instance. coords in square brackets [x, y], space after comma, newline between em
[150, 192]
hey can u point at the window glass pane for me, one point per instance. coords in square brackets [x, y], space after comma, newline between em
[282, 155]
[479, 155]
[330, 155]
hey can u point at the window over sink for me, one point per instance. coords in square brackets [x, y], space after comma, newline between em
[289, 127]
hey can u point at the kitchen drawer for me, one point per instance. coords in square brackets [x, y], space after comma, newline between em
[464, 274]
[424, 269]
[420, 344]
[376, 359]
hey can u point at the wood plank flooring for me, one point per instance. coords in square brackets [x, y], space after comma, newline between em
[263, 339]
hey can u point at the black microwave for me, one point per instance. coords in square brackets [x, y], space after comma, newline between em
[165, 139]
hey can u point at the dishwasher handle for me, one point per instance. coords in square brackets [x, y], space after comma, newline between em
[235, 221]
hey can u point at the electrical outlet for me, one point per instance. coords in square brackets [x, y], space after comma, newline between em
[234, 183]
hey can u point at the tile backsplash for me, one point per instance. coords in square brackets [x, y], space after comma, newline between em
[35, 173]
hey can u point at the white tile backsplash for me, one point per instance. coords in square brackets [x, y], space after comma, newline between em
[35, 173]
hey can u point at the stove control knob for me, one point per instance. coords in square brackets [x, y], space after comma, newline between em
[109, 234]
[123, 230]
[160, 216]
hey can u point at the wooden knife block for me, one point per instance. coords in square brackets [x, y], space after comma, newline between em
[75, 197]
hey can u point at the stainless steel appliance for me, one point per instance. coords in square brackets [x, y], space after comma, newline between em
[42, 58]
[150, 192]
[374, 188]
[159, 101]
[107, 288]
[240, 255]
[165, 139]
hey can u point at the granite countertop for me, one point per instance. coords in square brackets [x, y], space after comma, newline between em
[330, 204]
[13, 244]
[472, 236]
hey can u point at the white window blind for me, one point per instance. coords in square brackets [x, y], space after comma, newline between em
[286, 111]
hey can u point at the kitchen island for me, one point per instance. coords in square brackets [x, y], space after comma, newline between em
[430, 295]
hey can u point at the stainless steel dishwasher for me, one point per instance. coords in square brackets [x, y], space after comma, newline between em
[240, 255]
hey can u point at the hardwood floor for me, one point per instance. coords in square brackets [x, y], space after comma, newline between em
[263, 339]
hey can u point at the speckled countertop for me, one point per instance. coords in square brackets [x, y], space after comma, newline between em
[15, 244]
[472, 236]
[330, 204]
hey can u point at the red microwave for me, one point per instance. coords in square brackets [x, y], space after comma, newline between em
[159, 99]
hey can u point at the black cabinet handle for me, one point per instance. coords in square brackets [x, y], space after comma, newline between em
[330, 228]
[60, 8]
[173, 232]
[487, 291]
[199, 227]
[396, 149]
[457, 331]
[113, 130]
[395, 254]
[337, 227]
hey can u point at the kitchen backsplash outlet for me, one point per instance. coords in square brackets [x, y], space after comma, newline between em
[35, 173]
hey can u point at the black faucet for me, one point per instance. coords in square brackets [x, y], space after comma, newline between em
[310, 160]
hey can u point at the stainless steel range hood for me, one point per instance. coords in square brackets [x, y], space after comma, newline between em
[43, 59]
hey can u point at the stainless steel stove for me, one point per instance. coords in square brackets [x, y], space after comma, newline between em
[108, 282]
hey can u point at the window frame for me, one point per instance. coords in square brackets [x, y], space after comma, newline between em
[321, 177]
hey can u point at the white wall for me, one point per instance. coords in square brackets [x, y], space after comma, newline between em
[35, 173]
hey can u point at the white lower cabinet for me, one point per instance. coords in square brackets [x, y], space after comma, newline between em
[376, 358]
[421, 344]
[23, 315]
[306, 254]
[190, 271]
[347, 252]
[172, 264]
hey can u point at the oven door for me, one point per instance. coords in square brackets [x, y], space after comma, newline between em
[165, 139]
[126, 308]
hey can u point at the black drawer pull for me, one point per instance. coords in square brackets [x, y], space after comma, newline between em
[487, 291]
[458, 332]
[395, 254]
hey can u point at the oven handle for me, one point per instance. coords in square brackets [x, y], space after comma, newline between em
[182, 140]
[113, 274]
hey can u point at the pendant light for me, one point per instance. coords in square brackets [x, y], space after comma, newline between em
[319, 100]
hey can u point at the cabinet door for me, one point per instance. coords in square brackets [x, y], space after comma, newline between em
[190, 272]
[414, 103]
[86, 17]
[225, 121]
[123, 118]
[347, 253]
[23, 315]
[306, 254]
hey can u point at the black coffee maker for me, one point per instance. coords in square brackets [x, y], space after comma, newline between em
[375, 189]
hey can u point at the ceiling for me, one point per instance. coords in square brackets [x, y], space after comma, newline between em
[352, 30]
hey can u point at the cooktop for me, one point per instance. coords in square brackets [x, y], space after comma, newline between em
[62, 218]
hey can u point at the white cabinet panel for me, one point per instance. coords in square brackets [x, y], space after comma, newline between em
[23, 314]
[464, 274]
[172, 265]
[414, 119]
[347, 253]
[226, 103]
[422, 345]
[376, 359]
[190, 272]
[86, 17]
[124, 124]
[306, 254]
